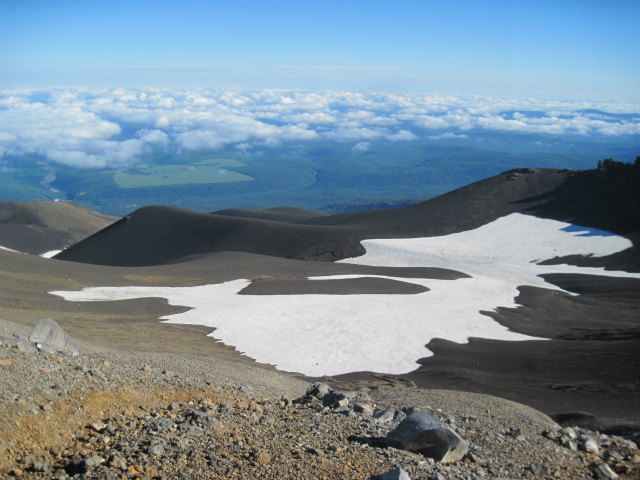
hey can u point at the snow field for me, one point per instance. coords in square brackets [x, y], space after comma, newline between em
[335, 334]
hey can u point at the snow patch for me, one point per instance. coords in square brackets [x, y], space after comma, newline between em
[335, 334]
[50, 253]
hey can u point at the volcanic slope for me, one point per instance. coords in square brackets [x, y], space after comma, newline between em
[40, 227]
[158, 235]
[605, 198]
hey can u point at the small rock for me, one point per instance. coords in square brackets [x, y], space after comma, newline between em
[136, 469]
[82, 465]
[28, 460]
[94, 372]
[161, 423]
[538, 469]
[147, 369]
[410, 410]
[45, 347]
[194, 431]
[264, 420]
[151, 471]
[613, 455]
[98, 427]
[588, 444]
[44, 467]
[314, 451]
[602, 471]
[363, 408]
[395, 474]
[117, 461]
[570, 444]
[475, 458]
[263, 458]
[197, 416]
[157, 449]
[568, 432]
[357, 397]
[387, 415]
[181, 443]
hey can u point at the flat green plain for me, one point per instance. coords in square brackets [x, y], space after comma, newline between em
[206, 171]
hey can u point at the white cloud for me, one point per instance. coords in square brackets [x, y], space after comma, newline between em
[6, 137]
[157, 137]
[447, 135]
[115, 127]
[361, 147]
[75, 157]
[402, 135]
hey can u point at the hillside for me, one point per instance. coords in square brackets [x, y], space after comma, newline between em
[39, 227]
[604, 198]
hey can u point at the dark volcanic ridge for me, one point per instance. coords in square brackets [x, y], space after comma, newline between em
[604, 198]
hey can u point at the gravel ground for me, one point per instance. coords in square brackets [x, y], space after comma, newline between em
[112, 414]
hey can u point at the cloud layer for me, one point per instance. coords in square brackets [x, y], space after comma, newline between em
[116, 128]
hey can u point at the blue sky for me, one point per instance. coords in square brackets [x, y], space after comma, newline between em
[546, 49]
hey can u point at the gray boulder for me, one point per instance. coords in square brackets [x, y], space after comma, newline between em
[48, 333]
[318, 390]
[423, 433]
[395, 474]
[335, 399]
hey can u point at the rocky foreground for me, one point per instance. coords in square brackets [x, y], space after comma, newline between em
[109, 414]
